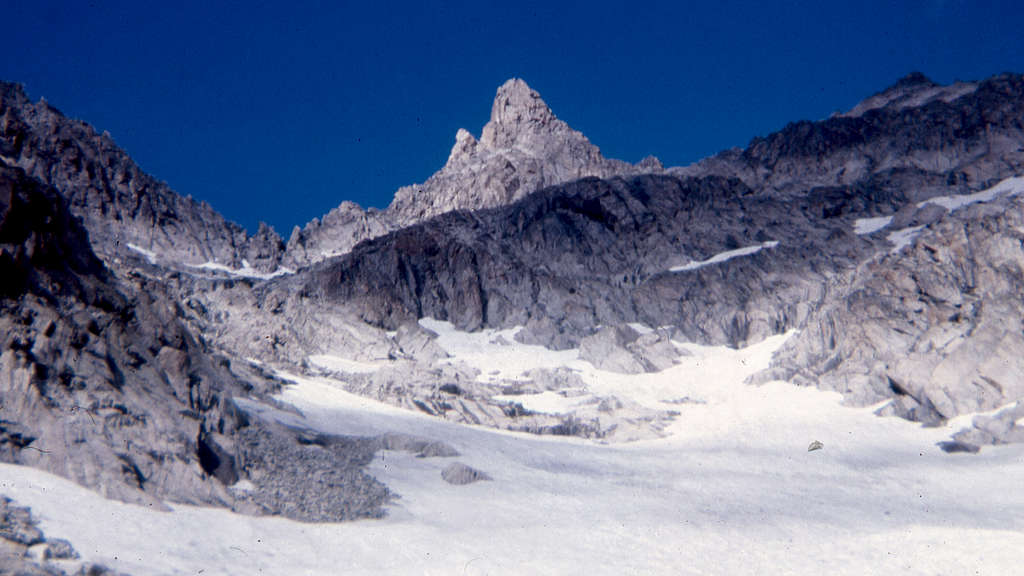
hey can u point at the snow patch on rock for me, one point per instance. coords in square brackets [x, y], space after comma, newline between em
[724, 256]
[1009, 187]
[863, 226]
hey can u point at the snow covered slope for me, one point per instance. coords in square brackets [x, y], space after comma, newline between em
[732, 490]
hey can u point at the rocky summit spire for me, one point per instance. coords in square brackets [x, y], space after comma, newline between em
[465, 146]
[517, 109]
[523, 148]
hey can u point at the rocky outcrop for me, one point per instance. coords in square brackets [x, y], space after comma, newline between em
[937, 327]
[102, 381]
[522, 149]
[606, 349]
[82, 360]
[460, 474]
[335, 233]
[118, 203]
[622, 349]
[25, 550]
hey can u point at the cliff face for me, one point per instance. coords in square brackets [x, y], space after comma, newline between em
[570, 258]
[98, 384]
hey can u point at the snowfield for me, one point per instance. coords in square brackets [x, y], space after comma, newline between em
[731, 490]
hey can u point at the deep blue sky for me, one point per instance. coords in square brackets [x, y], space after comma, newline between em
[279, 112]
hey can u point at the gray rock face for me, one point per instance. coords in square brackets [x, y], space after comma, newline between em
[565, 260]
[622, 349]
[916, 138]
[82, 360]
[938, 327]
[522, 149]
[335, 233]
[606, 349]
[118, 203]
[102, 381]
[419, 343]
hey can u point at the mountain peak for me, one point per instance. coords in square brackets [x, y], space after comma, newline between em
[914, 89]
[465, 145]
[913, 80]
[12, 93]
[517, 109]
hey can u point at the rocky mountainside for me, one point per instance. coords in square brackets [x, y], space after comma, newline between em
[102, 382]
[915, 138]
[566, 260]
[610, 240]
[937, 326]
[744, 245]
[523, 148]
[889, 237]
[119, 204]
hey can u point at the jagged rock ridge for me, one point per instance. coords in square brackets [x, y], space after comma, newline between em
[916, 138]
[118, 203]
[570, 258]
[523, 148]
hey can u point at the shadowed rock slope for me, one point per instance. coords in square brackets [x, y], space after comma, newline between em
[570, 258]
